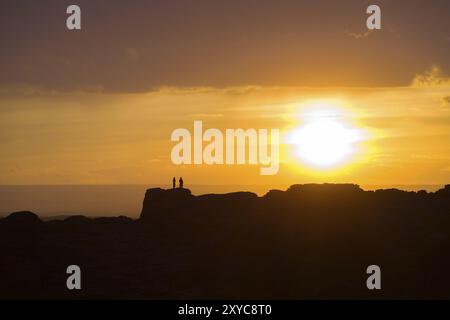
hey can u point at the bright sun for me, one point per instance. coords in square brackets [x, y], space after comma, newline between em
[325, 139]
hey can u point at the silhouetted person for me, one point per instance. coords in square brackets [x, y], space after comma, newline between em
[173, 182]
[181, 182]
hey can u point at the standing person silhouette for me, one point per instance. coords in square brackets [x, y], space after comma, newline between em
[173, 182]
[181, 182]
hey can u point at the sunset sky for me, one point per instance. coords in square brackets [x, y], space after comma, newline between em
[97, 106]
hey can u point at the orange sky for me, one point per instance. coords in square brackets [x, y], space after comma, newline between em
[98, 138]
[99, 106]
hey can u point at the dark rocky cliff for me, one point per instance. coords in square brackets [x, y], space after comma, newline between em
[159, 202]
[310, 241]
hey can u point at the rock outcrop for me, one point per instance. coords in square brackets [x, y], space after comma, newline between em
[159, 202]
[168, 201]
[310, 241]
[22, 220]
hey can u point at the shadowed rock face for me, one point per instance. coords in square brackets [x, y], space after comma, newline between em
[22, 220]
[310, 241]
[167, 201]
[158, 202]
[23, 217]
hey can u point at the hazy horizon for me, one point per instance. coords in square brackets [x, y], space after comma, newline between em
[119, 199]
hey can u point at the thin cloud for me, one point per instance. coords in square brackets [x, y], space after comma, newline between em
[359, 35]
[431, 78]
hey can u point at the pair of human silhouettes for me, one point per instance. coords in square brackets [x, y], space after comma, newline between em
[180, 181]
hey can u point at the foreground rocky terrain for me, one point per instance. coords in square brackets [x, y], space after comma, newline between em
[310, 241]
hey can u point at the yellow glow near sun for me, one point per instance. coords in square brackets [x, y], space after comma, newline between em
[325, 139]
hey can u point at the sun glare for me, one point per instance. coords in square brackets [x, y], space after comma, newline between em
[325, 139]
